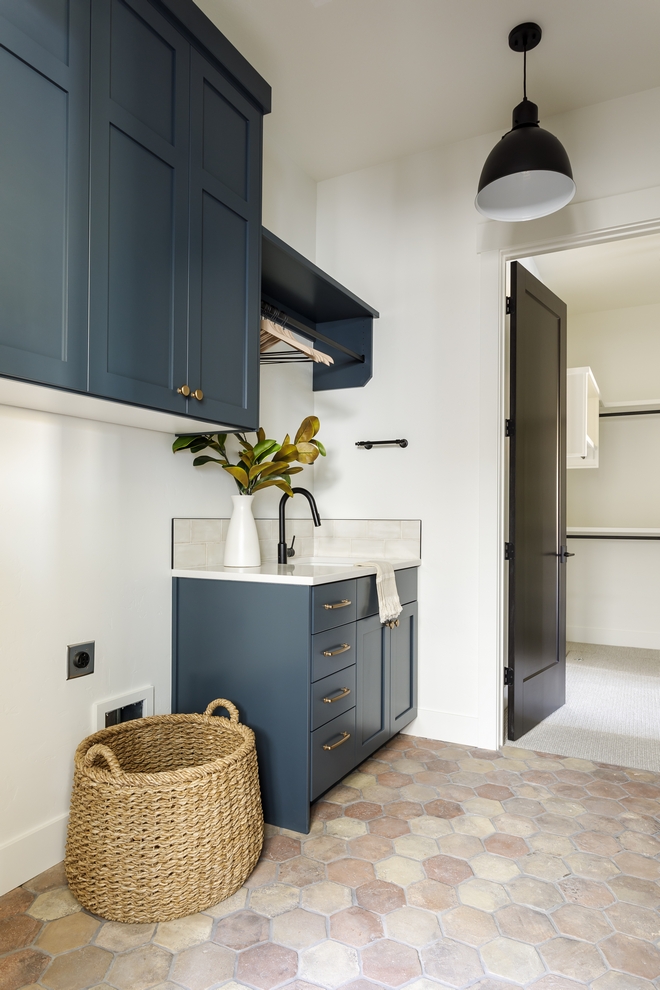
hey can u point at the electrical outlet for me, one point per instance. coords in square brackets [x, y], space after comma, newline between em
[80, 660]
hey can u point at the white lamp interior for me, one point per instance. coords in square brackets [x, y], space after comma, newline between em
[525, 195]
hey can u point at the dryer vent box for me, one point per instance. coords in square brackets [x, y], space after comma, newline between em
[137, 704]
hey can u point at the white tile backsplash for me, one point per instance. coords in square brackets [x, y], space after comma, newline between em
[201, 542]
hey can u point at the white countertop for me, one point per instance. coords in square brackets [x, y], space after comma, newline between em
[307, 570]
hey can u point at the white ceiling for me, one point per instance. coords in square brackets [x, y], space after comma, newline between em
[614, 275]
[358, 82]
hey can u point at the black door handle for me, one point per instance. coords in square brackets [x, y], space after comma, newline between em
[567, 554]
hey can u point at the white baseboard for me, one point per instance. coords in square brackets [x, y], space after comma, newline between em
[31, 853]
[464, 730]
[603, 636]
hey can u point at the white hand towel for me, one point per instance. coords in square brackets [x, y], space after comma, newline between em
[389, 606]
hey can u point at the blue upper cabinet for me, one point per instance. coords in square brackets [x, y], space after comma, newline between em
[44, 121]
[139, 205]
[225, 247]
[131, 164]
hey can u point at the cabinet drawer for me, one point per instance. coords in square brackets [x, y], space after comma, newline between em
[339, 690]
[333, 605]
[367, 598]
[331, 764]
[339, 642]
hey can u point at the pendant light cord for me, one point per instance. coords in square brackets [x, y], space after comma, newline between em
[525, 73]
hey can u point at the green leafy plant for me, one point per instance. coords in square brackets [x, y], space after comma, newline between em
[263, 464]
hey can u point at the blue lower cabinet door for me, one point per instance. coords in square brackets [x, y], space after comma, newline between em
[333, 752]
[372, 655]
[139, 206]
[403, 659]
[44, 123]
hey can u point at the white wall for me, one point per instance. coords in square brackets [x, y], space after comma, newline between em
[405, 235]
[614, 586]
[85, 516]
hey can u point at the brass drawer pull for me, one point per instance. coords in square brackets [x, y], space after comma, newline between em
[341, 604]
[344, 693]
[394, 624]
[184, 390]
[345, 737]
[335, 653]
[197, 394]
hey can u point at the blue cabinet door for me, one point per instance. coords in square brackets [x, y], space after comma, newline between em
[44, 114]
[403, 660]
[372, 658]
[225, 249]
[139, 205]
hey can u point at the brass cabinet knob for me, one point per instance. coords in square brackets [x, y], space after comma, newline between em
[197, 394]
[184, 390]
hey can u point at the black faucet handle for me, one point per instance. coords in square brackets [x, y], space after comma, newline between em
[290, 551]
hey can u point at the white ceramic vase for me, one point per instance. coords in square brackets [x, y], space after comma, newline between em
[242, 545]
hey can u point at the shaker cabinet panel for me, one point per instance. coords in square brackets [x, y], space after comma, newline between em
[225, 246]
[44, 114]
[403, 660]
[373, 689]
[139, 245]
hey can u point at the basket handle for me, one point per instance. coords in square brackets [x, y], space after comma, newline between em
[100, 750]
[223, 703]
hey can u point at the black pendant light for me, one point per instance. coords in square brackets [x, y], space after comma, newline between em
[527, 174]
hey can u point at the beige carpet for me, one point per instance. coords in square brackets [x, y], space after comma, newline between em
[612, 710]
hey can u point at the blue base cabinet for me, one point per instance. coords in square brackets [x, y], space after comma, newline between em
[313, 672]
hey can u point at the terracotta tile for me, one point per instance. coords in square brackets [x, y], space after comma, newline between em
[470, 925]
[296, 985]
[605, 789]
[421, 753]
[405, 810]
[569, 791]
[553, 982]
[345, 828]
[370, 847]
[512, 960]
[364, 810]
[634, 920]
[516, 921]
[274, 899]
[236, 902]
[241, 930]
[399, 870]
[601, 806]
[558, 824]
[329, 963]
[620, 981]
[355, 926]
[390, 963]
[497, 868]
[354, 985]
[85, 967]
[279, 848]
[638, 866]
[419, 847]
[485, 754]
[534, 893]
[581, 922]
[351, 872]
[488, 984]
[442, 766]
[202, 966]
[342, 795]
[631, 955]
[432, 778]
[48, 880]
[430, 826]
[514, 825]
[264, 872]
[601, 823]
[455, 792]
[447, 869]
[475, 825]
[642, 790]
[633, 822]
[380, 896]
[597, 842]
[324, 849]
[461, 846]
[389, 827]
[299, 929]
[590, 893]
[301, 871]
[267, 966]
[635, 890]
[494, 792]
[183, 932]
[443, 809]
[17, 932]
[118, 937]
[638, 842]
[68, 933]
[545, 867]
[641, 805]
[576, 960]
[593, 867]
[541, 777]
[523, 807]
[506, 845]
[54, 904]
[326, 811]
[15, 902]
[377, 794]
[393, 779]
[451, 962]
[432, 895]
[22, 968]
[326, 897]
[483, 894]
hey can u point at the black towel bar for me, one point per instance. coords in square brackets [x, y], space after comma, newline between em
[368, 444]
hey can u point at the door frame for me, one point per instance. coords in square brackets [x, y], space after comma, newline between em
[613, 218]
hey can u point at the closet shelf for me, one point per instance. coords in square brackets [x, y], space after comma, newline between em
[632, 407]
[322, 310]
[612, 533]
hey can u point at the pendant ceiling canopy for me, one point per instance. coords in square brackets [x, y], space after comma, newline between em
[527, 174]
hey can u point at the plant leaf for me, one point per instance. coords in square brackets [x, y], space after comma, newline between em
[286, 451]
[307, 452]
[317, 443]
[308, 429]
[271, 467]
[205, 460]
[237, 472]
[183, 442]
[221, 438]
[247, 457]
[243, 442]
[264, 448]
[261, 436]
[278, 482]
[294, 470]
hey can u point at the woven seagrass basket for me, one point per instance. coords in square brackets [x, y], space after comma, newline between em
[165, 816]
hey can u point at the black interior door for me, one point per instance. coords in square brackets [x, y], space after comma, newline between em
[537, 498]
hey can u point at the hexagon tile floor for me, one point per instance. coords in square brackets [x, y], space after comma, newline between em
[433, 865]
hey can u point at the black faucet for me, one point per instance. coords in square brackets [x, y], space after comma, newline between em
[282, 552]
